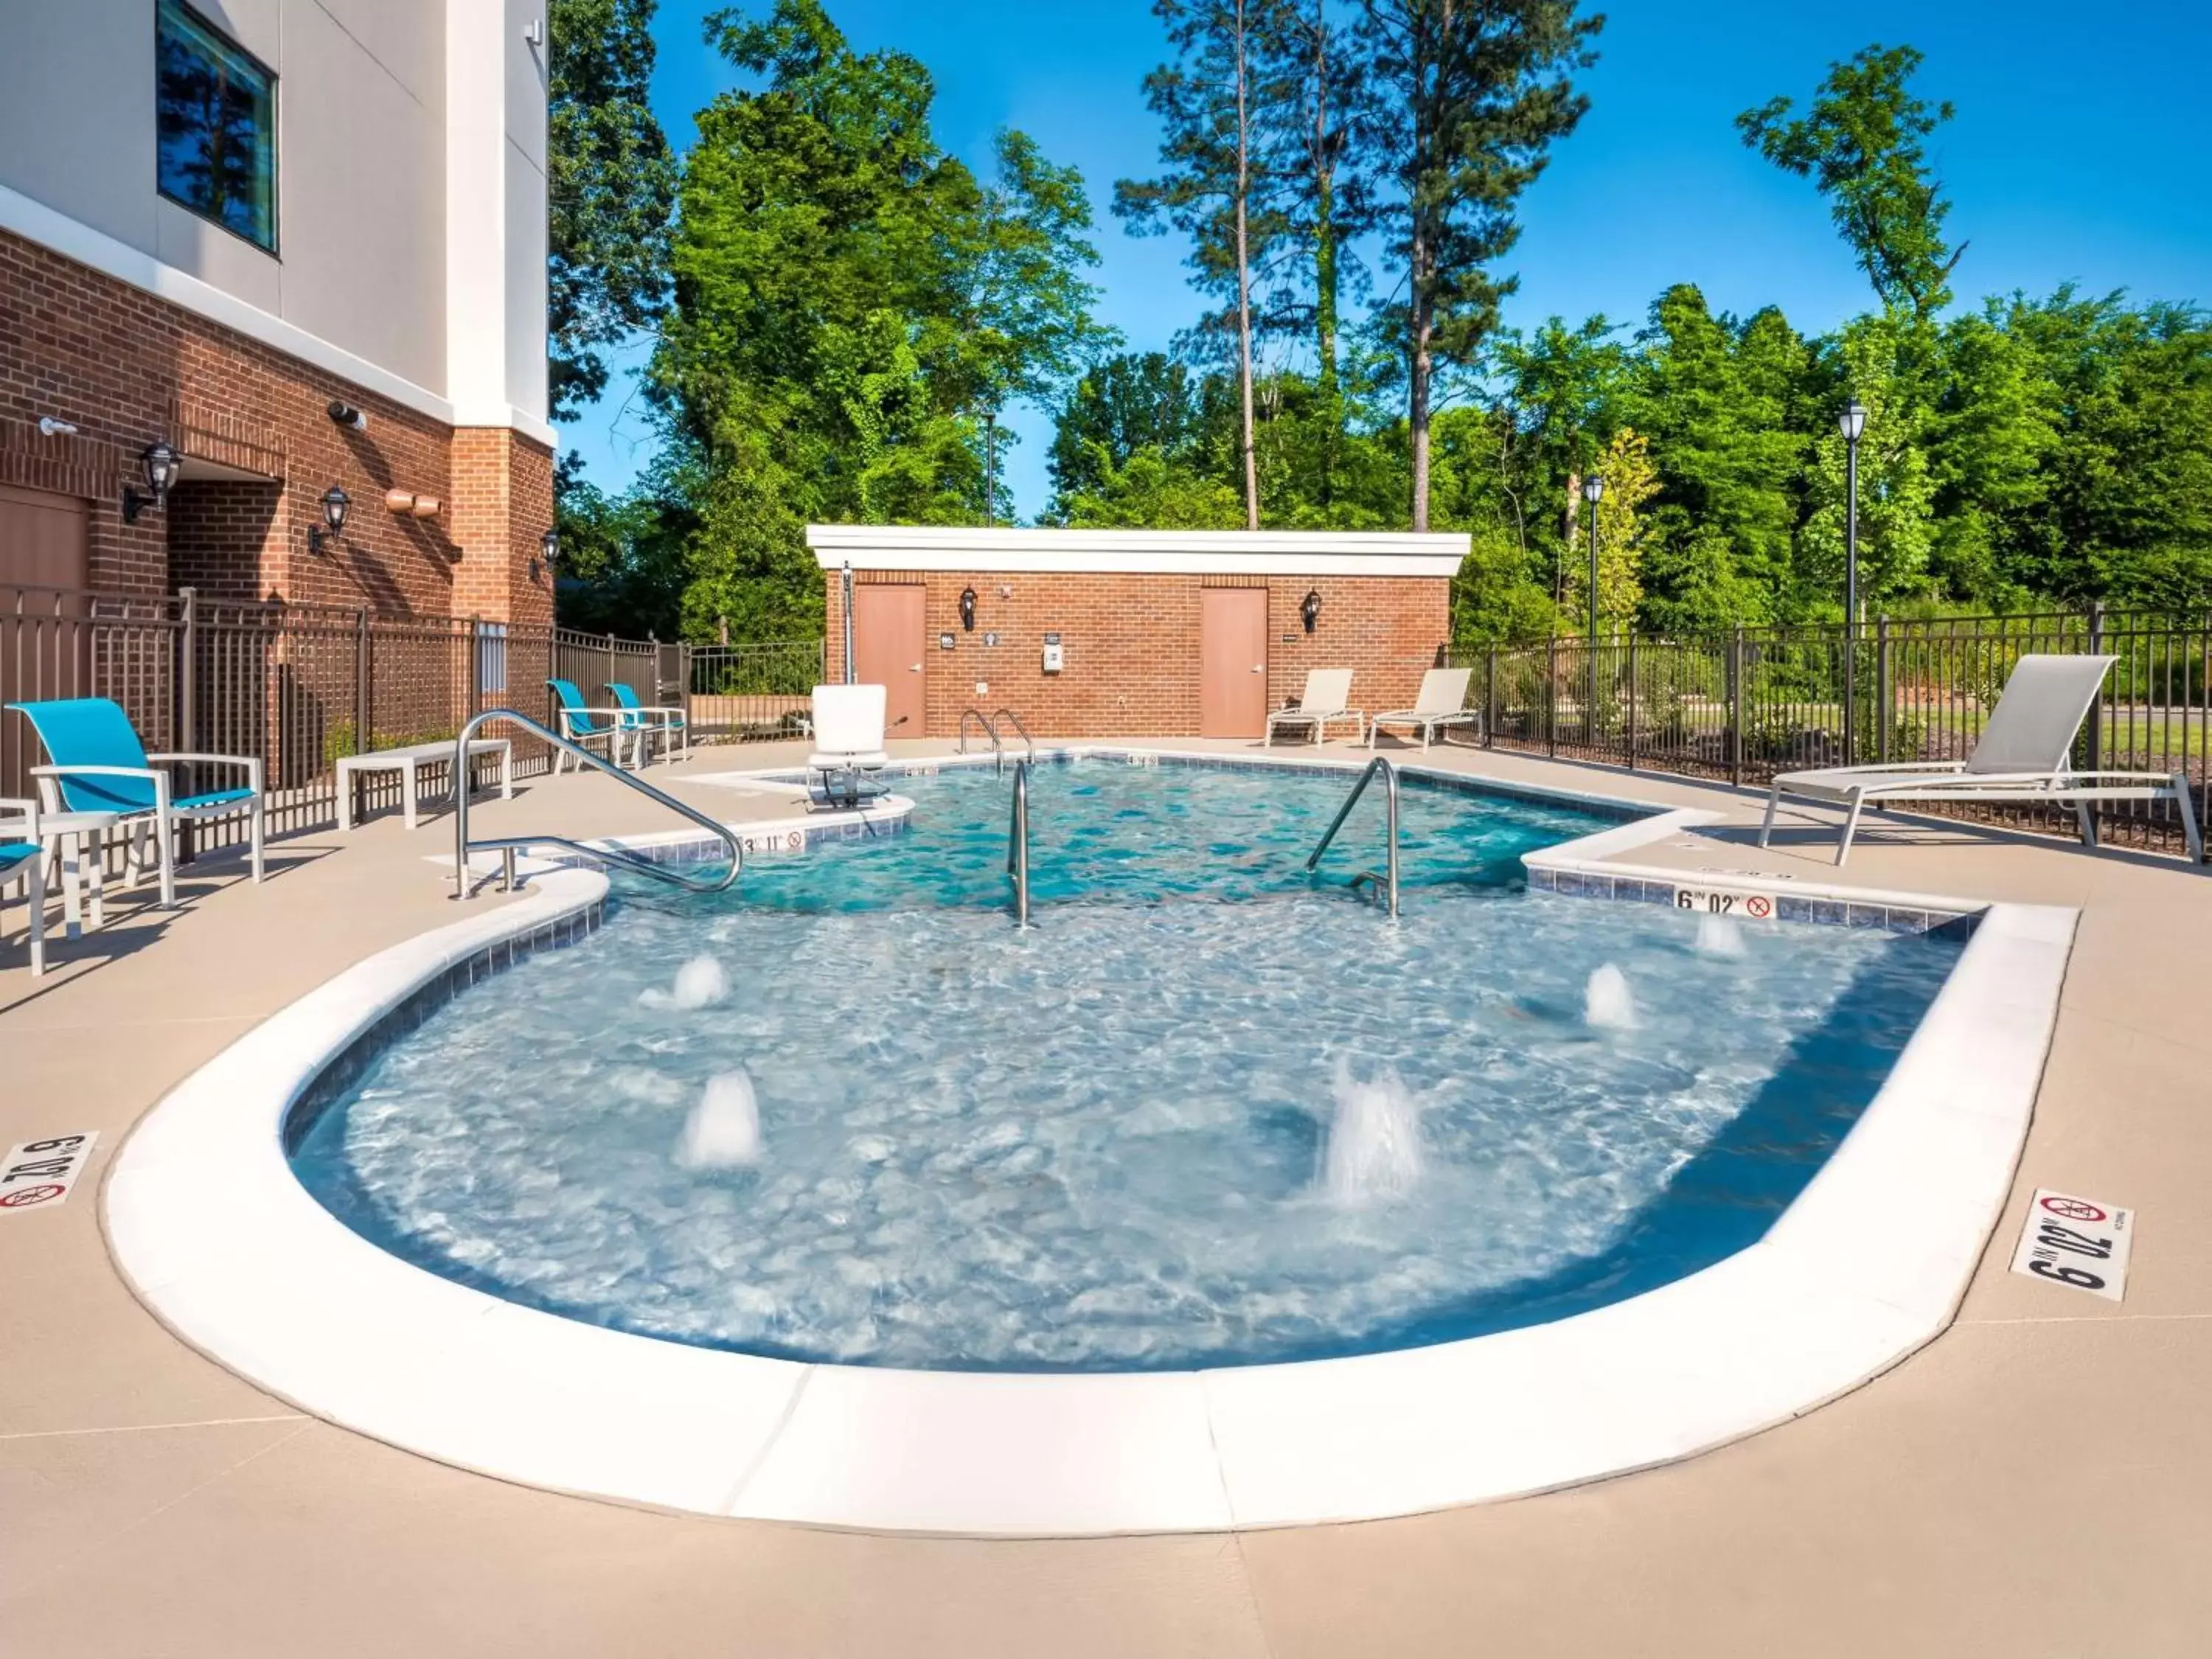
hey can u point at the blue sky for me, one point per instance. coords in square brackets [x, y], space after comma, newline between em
[2074, 156]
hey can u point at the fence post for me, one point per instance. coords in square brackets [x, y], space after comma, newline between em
[1735, 707]
[1884, 700]
[1632, 701]
[683, 681]
[474, 670]
[2096, 758]
[188, 736]
[1552, 697]
[1490, 697]
[361, 744]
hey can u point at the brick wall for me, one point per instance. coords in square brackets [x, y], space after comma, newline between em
[127, 368]
[1132, 644]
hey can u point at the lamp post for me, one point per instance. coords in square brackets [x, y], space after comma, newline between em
[1851, 422]
[1593, 493]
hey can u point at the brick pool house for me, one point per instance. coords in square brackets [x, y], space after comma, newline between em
[1131, 633]
[281, 250]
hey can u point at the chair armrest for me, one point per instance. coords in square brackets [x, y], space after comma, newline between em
[154, 775]
[27, 811]
[251, 762]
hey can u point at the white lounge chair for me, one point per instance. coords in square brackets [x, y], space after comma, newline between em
[1328, 691]
[849, 737]
[1440, 706]
[2024, 754]
[19, 862]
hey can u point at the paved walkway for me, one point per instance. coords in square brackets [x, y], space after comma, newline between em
[2038, 1481]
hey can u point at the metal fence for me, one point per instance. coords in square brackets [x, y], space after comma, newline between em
[1743, 706]
[301, 686]
[749, 692]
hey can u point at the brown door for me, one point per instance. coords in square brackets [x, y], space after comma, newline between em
[45, 647]
[1232, 650]
[888, 628]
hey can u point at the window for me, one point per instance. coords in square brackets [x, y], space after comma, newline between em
[214, 127]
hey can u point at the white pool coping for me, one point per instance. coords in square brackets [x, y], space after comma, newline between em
[215, 1235]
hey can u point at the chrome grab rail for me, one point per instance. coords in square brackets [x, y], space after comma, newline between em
[1028, 742]
[1018, 843]
[508, 845]
[1389, 883]
[998, 755]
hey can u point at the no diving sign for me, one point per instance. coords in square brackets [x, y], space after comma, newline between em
[2077, 1241]
[39, 1173]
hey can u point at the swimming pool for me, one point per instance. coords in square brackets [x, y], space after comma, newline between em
[1208, 1111]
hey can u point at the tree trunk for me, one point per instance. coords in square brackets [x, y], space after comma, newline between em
[1325, 278]
[1244, 277]
[1420, 366]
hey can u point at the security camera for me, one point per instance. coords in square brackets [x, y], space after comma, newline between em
[347, 415]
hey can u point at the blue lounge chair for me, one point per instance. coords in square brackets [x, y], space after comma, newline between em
[586, 725]
[97, 764]
[20, 863]
[664, 718]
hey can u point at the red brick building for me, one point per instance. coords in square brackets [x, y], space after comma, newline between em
[343, 290]
[1158, 632]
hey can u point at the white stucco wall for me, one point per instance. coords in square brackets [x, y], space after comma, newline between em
[367, 163]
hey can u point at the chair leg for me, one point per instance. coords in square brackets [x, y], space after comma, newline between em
[165, 850]
[1850, 828]
[2191, 831]
[260, 834]
[2086, 816]
[1773, 800]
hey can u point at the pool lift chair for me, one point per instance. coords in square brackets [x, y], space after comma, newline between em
[848, 744]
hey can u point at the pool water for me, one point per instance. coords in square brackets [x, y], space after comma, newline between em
[1148, 1133]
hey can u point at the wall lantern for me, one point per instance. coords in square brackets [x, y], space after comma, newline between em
[335, 501]
[1310, 609]
[968, 609]
[548, 553]
[160, 463]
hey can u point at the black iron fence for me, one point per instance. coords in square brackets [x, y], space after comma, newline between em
[1741, 707]
[301, 687]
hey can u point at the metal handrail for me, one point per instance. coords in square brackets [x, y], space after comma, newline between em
[1389, 883]
[1018, 843]
[998, 754]
[508, 845]
[1028, 741]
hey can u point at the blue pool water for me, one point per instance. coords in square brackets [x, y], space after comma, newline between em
[1154, 1131]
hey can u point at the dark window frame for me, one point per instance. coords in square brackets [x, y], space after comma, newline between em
[273, 247]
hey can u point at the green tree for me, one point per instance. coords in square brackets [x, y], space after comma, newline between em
[1460, 105]
[610, 187]
[1624, 532]
[1123, 404]
[1217, 187]
[852, 306]
[1860, 143]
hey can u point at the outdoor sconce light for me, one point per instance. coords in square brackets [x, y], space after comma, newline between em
[335, 501]
[549, 550]
[1310, 609]
[346, 415]
[968, 609]
[161, 463]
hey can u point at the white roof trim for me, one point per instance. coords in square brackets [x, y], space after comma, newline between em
[1137, 552]
[74, 240]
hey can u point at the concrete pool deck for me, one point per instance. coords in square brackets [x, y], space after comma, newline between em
[2035, 1479]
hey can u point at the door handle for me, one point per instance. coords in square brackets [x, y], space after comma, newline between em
[917, 669]
[1258, 668]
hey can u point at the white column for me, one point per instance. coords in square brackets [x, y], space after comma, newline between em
[495, 236]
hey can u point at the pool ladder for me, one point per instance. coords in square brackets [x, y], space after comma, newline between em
[509, 846]
[1018, 843]
[1387, 882]
[990, 725]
